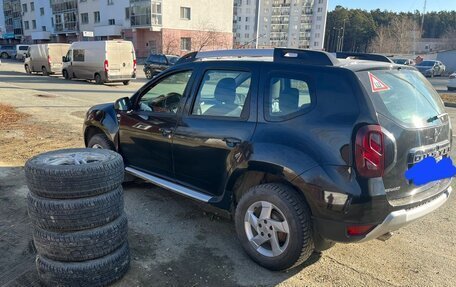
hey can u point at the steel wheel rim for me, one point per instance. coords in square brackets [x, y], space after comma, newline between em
[74, 158]
[267, 229]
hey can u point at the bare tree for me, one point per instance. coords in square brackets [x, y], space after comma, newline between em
[206, 36]
[397, 37]
[170, 46]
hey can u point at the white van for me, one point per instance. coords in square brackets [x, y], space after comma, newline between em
[45, 58]
[102, 61]
[21, 50]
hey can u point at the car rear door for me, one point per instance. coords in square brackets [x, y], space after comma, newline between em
[146, 131]
[415, 127]
[213, 135]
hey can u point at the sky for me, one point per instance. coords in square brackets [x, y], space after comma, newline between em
[395, 5]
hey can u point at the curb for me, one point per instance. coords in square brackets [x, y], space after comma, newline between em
[450, 105]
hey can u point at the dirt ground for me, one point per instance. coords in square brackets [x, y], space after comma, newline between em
[173, 240]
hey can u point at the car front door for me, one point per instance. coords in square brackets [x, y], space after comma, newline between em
[213, 135]
[146, 131]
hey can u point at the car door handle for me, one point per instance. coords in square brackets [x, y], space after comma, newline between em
[166, 132]
[232, 142]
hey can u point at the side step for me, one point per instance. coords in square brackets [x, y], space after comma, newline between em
[169, 185]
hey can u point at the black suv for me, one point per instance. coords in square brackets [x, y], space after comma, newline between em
[157, 63]
[302, 148]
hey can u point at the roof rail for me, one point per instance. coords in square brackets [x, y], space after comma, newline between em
[280, 55]
[363, 56]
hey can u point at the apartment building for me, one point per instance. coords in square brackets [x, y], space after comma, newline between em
[180, 26]
[37, 21]
[154, 26]
[280, 23]
[13, 20]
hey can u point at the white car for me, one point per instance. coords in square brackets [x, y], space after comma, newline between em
[452, 82]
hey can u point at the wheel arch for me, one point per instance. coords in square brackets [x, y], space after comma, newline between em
[102, 120]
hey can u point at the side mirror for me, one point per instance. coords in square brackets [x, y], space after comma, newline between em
[123, 104]
[63, 58]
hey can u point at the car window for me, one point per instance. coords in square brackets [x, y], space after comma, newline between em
[165, 96]
[222, 93]
[78, 55]
[287, 95]
[23, 48]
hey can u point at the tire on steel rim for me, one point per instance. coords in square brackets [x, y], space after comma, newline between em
[66, 75]
[4, 55]
[81, 245]
[97, 272]
[74, 173]
[75, 214]
[274, 226]
[44, 71]
[98, 79]
[149, 74]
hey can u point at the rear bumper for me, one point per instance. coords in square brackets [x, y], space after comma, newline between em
[336, 230]
[402, 217]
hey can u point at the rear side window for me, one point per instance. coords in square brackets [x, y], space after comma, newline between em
[288, 95]
[402, 95]
[223, 94]
[23, 48]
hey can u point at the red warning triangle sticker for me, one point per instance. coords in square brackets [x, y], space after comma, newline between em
[376, 84]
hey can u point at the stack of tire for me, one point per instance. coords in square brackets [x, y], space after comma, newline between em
[76, 208]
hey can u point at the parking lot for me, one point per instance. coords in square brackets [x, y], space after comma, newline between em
[174, 241]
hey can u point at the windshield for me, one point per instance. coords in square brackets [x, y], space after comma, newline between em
[426, 63]
[172, 59]
[404, 96]
[400, 61]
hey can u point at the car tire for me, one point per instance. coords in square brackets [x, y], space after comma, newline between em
[44, 71]
[27, 69]
[98, 272]
[81, 245]
[148, 73]
[58, 174]
[289, 212]
[100, 141]
[66, 75]
[75, 214]
[126, 83]
[4, 55]
[98, 79]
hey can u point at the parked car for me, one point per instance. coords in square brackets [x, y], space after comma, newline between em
[157, 63]
[102, 61]
[243, 131]
[452, 82]
[431, 68]
[7, 51]
[408, 62]
[45, 58]
[21, 50]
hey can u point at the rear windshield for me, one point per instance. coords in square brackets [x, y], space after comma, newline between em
[403, 95]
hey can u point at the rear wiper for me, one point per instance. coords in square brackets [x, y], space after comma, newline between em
[434, 118]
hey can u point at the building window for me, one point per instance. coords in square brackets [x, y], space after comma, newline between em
[41, 11]
[320, 9]
[246, 19]
[43, 28]
[96, 16]
[185, 13]
[26, 25]
[127, 13]
[52, 21]
[247, 27]
[186, 44]
[32, 6]
[110, 2]
[84, 18]
[112, 21]
[246, 35]
[33, 24]
[24, 7]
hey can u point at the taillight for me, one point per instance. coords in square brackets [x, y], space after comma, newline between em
[357, 230]
[370, 151]
[134, 65]
[49, 60]
[106, 65]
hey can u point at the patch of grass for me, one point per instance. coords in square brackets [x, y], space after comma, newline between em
[449, 98]
[9, 116]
